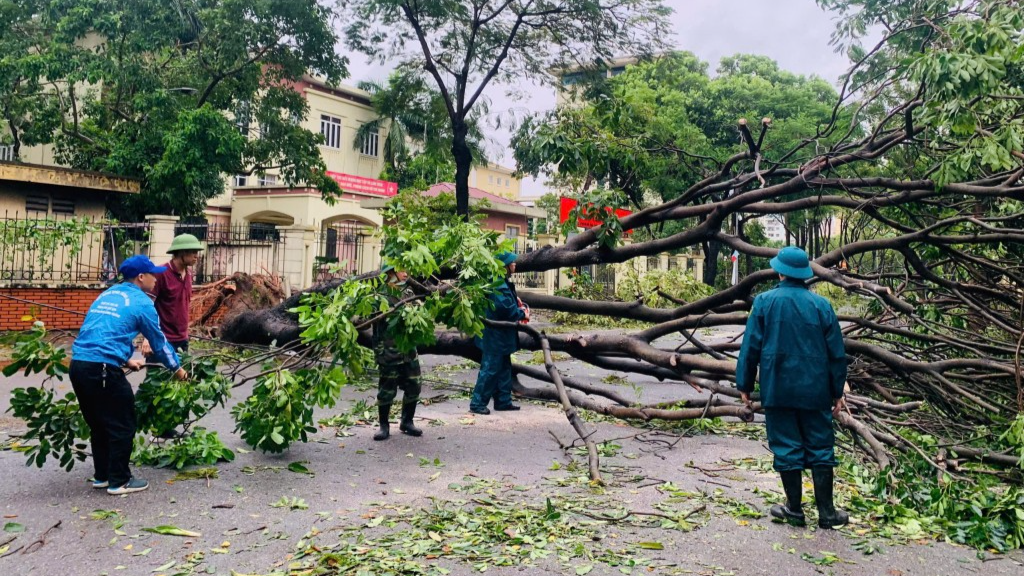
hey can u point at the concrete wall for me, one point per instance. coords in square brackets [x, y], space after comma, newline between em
[88, 204]
[300, 207]
[499, 221]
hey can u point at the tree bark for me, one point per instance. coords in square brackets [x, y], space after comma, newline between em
[463, 165]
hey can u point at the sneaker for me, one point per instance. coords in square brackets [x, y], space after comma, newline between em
[509, 408]
[99, 483]
[133, 485]
[483, 411]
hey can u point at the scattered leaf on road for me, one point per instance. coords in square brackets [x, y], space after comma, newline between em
[172, 531]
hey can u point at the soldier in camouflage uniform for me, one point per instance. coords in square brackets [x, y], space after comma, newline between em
[397, 369]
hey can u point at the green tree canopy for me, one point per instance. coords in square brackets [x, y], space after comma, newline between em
[177, 93]
[656, 130]
[418, 149]
[466, 45]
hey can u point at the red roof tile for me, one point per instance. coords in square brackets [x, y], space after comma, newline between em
[477, 193]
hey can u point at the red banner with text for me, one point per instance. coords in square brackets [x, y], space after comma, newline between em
[361, 185]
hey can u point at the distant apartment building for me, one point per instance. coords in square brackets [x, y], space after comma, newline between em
[774, 226]
[497, 180]
[570, 79]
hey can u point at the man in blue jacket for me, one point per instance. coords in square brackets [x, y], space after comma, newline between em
[103, 347]
[498, 345]
[794, 336]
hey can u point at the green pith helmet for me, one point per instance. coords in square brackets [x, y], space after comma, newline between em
[184, 242]
[386, 268]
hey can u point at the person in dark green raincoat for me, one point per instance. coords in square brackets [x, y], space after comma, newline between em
[398, 370]
[498, 345]
[793, 335]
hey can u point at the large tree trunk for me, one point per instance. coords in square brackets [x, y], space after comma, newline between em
[463, 165]
[711, 251]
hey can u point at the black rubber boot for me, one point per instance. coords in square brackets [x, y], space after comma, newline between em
[828, 516]
[793, 511]
[383, 413]
[407, 427]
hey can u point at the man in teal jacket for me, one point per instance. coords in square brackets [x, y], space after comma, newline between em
[497, 346]
[794, 336]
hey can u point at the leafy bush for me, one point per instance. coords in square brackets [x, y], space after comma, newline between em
[908, 501]
[59, 431]
[163, 403]
[644, 287]
[678, 284]
[280, 409]
[199, 447]
[57, 425]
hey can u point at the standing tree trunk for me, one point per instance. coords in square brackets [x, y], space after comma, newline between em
[711, 250]
[463, 164]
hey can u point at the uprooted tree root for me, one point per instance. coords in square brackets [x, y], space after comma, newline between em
[231, 297]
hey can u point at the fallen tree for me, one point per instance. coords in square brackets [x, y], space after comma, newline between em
[928, 251]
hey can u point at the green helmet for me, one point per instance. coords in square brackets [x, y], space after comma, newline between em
[184, 242]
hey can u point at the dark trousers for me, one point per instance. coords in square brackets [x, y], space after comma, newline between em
[179, 347]
[108, 405]
[800, 439]
[493, 381]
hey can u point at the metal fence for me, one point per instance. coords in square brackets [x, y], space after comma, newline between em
[247, 248]
[530, 280]
[64, 249]
[339, 248]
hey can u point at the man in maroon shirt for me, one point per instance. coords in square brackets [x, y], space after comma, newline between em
[172, 294]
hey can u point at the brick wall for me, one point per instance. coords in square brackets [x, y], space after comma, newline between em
[69, 298]
[73, 298]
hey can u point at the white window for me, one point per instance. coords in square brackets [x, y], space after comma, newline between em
[370, 144]
[490, 179]
[7, 153]
[241, 180]
[330, 127]
[242, 118]
[268, 180]
[511, 232]
[507, 182]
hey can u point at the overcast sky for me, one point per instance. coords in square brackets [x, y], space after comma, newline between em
[795, 33]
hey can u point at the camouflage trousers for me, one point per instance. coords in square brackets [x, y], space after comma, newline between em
[392, 377]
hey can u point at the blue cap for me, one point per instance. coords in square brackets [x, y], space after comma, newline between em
[507, 257]
[792, 262]
[139, 264]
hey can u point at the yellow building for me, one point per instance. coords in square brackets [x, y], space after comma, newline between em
[497, 180]
[336, 112]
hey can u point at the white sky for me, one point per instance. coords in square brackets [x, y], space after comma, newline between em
[795, 33]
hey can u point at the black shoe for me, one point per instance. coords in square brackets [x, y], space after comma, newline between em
[509, 408]
[483, 411]
[793, 511]
[788, 516]
[383, 413]
[408, 413]
[828, 516]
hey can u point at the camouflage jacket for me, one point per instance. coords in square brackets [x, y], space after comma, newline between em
[384, 348]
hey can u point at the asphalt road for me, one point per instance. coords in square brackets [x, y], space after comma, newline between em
[242, 532]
